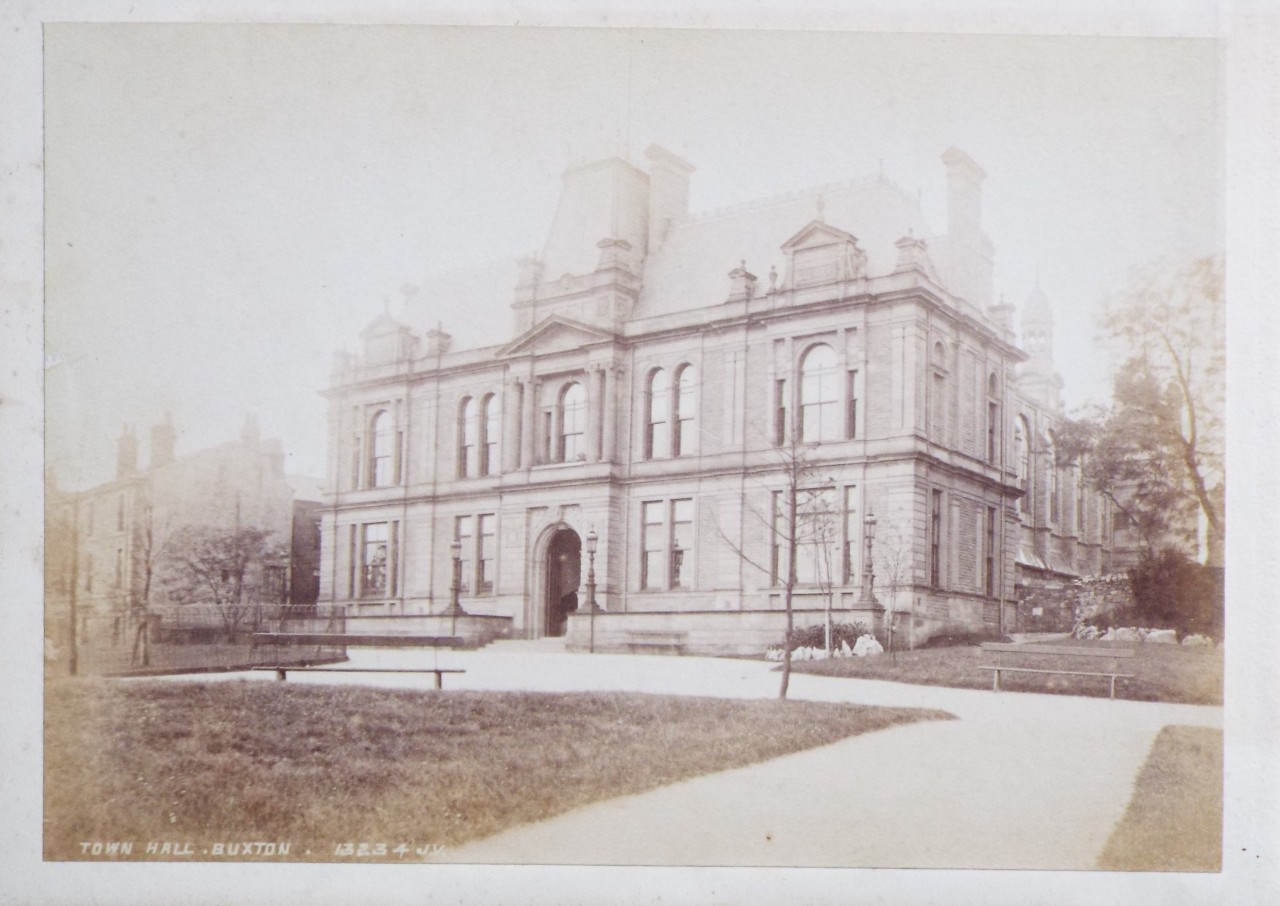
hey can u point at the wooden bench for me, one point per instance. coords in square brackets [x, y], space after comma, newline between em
[365, 640]
[282, 671]
[656, 638]
[1059, 651]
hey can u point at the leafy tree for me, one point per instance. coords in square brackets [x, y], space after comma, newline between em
[1169, 590]
[223, 568]
[1157, 452]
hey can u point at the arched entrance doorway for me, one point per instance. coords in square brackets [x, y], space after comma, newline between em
[564, 574]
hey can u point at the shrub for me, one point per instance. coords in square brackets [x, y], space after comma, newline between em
[1171, 591]
[815, 636]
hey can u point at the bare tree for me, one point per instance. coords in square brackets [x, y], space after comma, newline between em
[799, 517]
[152, 540]
[893, 558]
[223, 568]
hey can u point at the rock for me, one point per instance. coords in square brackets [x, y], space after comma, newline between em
[866, 645]
[1128, 634]
[1197, 641]
[845, 649]
[1162, 637]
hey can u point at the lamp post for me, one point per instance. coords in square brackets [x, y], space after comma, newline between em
[869, 573]
[592, 541]
[455, 587]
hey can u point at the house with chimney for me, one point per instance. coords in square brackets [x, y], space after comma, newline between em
[612, 463]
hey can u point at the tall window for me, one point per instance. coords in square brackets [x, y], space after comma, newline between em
[780, 411]
[686, 397]
[1054, 490]
[935, 540]
[681, 543]
[88, 572]
[817, 526]
[1022, 461]
[573, 423]
[852, 528]
[819, 395]
[651, 544]
[375, 559]
[466, 435]
[851, 415]
[464, 534]
[119, 567]
[486, 545]
[489, 431]
[938, 394]
[989, 552]
[1079, 477]
[380, 432]
[657, 441]
[993, 420]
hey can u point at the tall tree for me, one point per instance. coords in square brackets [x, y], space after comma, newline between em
[1158, 450]
[223, 568]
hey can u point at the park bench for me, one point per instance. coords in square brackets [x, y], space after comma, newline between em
[1055, 651]
[367, 640]
[665, 639]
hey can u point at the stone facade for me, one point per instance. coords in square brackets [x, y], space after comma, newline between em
[656, 393]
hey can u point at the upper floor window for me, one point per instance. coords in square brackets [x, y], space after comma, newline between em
[993, 420]
[686, 397]
[819, 395]
[938, 393]
[935, 539]
[1055, 490]
[380, 449]
[657, 440]
[573, 423]
[1022, 461]
[466, 435]
[489, 431]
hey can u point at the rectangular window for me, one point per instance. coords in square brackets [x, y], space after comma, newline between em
[937, 400]
[816, 537]
[852, 533]
[990, 552]
[464, 534]
[119, 567]
[548, 436]
[851, 415]
[935, 540]
[1079, 476]
[484, 552]
[651, 544]
[355, 460]
[681, 543]
[780, 411]
[374, 559]
[351, 562]
[777, 522]
[88, 572]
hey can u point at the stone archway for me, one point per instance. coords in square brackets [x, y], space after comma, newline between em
[555, 580]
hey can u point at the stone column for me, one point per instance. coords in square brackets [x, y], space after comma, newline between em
[528, 424]
[595, 411]
[609, 394]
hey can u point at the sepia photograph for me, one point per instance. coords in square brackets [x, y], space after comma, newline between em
[701, 447]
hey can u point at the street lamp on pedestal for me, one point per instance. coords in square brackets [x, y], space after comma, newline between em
[455, 586]
[590, 602]
[869, 572]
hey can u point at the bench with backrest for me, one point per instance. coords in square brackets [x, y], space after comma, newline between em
[366, 640]
[1052, 654]
[664, 639]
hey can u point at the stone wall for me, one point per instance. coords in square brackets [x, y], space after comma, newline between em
[1051, 606]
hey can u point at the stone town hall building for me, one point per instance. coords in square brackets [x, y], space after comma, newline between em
[661, 373]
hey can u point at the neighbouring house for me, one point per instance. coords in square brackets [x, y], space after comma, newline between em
[649, 383]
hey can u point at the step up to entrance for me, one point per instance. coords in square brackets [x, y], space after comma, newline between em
[547, 645]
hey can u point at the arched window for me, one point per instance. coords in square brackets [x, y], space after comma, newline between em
[573, 423]
[993, 419]
[686, 397]
[489, 431]
[380, 444]
[657, 437]
[466, 435]
[819, 395]
[1022, 461]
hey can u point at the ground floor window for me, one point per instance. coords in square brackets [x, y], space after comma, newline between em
[666, 544]
[375, 559]
[477, 535]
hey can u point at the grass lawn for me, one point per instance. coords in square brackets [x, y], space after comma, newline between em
[1174, 821]
[1164, 673]
[318, 766]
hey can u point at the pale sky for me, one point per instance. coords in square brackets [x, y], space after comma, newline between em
[226, 205]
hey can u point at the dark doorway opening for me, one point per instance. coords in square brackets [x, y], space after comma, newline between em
[564, 573]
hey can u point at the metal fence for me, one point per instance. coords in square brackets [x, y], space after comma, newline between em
[192, 639]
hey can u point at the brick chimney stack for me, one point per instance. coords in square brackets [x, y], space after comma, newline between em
[668, 192]
[126, 453]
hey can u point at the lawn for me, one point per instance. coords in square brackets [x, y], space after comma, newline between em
[201, 764]
[1174, 820]
[1165, 673]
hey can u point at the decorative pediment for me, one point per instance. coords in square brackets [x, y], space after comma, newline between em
[554, 334]
[821, 253]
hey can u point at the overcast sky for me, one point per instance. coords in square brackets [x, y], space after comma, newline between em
[226, 205]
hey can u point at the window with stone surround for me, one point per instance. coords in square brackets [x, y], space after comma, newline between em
[490, 430]
[657, 440]
[375, 559]
[381, 437]
[935, 539]
[573, 423]
[683, 438]
[819, 395]
[466, 434]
